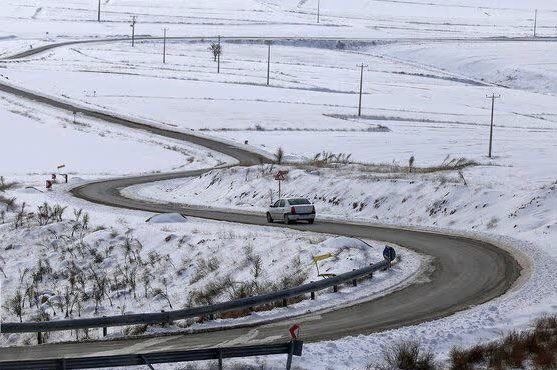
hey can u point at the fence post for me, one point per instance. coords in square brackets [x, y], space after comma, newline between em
[105, 330]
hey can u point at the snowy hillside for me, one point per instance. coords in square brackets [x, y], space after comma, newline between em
[288, 79]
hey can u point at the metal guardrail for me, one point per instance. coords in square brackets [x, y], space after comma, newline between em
[293, 348]
[204, 311]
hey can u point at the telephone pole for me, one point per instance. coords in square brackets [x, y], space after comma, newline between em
[318, 10]
[133, 31]
[362, 66]
[268, 61]
[99, 12]
[492, 97]
[164, 46]
[535, 21]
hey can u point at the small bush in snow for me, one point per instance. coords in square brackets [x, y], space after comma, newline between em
[536, 347]
[6, 185]
[279, 155]
[408, 355]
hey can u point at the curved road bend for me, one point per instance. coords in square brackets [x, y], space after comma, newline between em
[468, 272]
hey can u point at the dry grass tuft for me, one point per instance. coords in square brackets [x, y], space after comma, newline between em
[536, 348]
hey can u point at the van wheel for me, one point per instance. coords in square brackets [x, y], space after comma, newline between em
[310, 221]
[269, 218]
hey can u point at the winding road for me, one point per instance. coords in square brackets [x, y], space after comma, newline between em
[466, 272]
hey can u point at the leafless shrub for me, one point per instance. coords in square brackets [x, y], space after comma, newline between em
[20, 216]
[325, 159]
[135, 330]
[279, 155]
[461, 175]
[537, 347]
[6, 185]
[210, 292]
[408, 355]
[257, 266]
[9, 202]
[216, 49]
[163, 293]
[16, 305]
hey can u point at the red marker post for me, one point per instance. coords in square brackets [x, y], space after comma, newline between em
[295, 331]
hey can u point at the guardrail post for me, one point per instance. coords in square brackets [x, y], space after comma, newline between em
[355, 281]
[284, 302]
[105, 330]
[290, 354]
[146, 362]
[39, 338]
[335, 288]
[211, 316]
[220, 358]
[312, 295]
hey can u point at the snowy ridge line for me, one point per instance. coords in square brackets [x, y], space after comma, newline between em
[309, 41]
[167, 317]
[140, 123]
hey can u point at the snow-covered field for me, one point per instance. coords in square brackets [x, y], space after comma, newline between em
[422, 98]
[37, 139]
[355, 18]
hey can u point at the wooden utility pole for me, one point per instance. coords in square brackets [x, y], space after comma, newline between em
[492, 97]
[133, 31]
[99, 12]
[164, 46]
[535, 21]
[362, 66]
[268, 61]
[318, 10]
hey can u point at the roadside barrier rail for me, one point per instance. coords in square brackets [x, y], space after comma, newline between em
[293, 348]
[203, 311]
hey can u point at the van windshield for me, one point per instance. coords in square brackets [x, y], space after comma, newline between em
[297, 202]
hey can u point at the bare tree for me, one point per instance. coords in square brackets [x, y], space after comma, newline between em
[216, 49]
[411, 163]
[279, 155]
